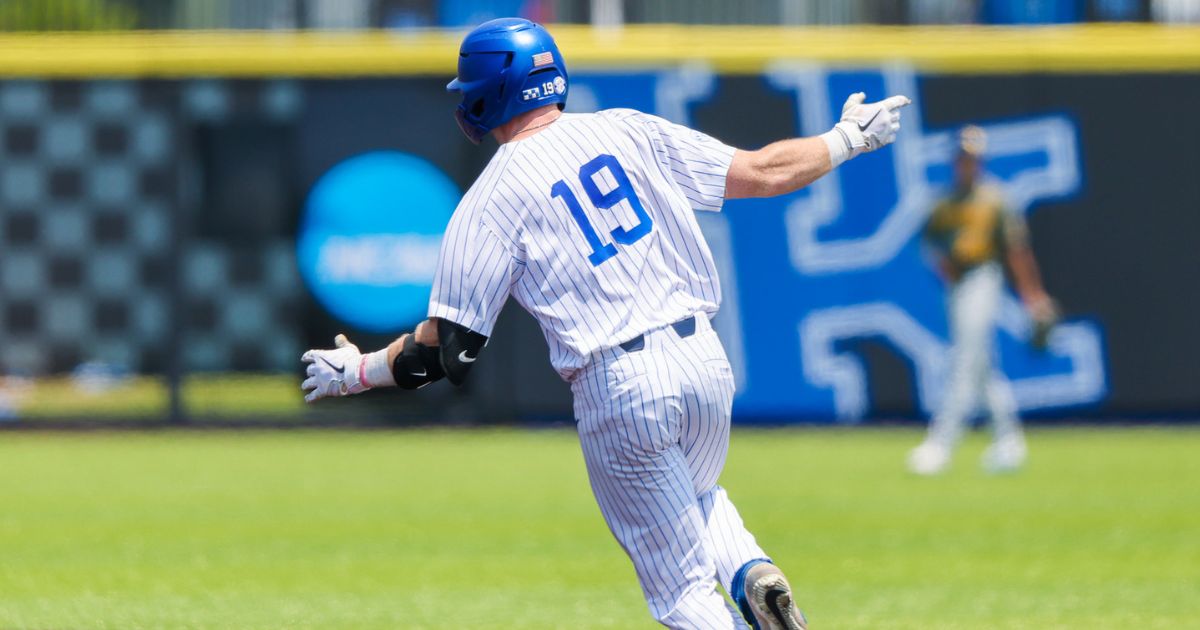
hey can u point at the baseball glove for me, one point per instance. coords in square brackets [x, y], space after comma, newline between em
[1045, 315]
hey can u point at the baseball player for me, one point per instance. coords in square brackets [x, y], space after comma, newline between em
[587, 221]
[971, 233]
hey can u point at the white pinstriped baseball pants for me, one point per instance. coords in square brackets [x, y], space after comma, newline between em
[654, 427]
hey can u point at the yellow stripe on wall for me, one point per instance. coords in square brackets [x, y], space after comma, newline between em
[1096, 48]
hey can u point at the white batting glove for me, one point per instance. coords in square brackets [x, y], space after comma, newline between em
[864, 127]
[337, 372]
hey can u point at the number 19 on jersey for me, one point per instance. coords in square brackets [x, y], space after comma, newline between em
[624, 191]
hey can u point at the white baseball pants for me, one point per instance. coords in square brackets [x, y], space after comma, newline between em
[972, 304]
[654, 427]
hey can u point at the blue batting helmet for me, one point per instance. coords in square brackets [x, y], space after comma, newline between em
[506, 67]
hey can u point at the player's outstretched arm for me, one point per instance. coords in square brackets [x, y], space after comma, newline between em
[789, 165]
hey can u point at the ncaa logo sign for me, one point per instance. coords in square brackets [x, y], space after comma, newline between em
[370, 236]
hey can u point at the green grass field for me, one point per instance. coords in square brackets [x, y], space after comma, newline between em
[497, 529]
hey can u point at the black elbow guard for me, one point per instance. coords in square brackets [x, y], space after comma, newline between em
[460, 347]
[416, 366]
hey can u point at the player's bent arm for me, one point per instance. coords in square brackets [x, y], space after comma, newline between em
[437, 349]
[345, 370]
[789, 165]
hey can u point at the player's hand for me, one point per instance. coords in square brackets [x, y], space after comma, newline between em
[333, 372]
[1045, 314]
[872, 125]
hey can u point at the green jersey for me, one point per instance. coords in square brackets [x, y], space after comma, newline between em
[973, 227]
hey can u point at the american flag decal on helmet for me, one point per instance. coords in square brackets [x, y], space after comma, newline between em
[543, 59]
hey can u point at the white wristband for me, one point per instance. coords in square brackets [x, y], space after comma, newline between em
[839, 146]
[375, 371]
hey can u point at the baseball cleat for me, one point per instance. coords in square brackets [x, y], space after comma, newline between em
[770, 599]
[1005, 455]
[930, 458]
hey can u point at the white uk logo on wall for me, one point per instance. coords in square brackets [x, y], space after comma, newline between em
[915, 154]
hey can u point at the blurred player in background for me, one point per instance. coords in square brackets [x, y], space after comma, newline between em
[587, 220]
[973, 236]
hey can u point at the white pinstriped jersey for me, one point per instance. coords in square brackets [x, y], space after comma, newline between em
[589, 225]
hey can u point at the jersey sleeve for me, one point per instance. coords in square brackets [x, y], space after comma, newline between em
[1011, 228]
[696, 161]
[476, 269]
[1014, 231]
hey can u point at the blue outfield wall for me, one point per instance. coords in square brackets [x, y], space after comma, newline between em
[832, 311]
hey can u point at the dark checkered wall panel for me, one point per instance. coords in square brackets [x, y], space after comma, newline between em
[241, 307]
[90, 179]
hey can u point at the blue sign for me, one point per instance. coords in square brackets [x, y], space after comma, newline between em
[807, 275]
[370, 236]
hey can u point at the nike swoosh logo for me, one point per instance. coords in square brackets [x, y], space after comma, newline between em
[421, 373]
[462, 356]
[340, 369]
[864, 127]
